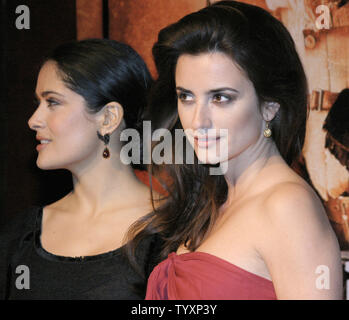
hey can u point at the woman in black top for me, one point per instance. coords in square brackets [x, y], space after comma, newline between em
[88, 92]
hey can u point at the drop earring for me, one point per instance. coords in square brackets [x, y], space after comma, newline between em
[105, 138]
[267, 131]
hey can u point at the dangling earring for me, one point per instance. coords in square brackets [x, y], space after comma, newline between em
[105, 139]
[267, 130]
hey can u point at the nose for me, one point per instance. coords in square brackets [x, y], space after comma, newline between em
[201, 117]
[36, 121]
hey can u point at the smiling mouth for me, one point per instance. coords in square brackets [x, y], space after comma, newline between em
[45, 141]
[43, 144]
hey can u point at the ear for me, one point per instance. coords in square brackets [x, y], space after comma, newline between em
[269, 110]
[111, 117]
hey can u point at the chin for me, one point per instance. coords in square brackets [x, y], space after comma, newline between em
[46, 165]
[216, 167]
[210, 157]
[212, 154]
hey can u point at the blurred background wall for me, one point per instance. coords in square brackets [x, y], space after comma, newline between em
[51, 23]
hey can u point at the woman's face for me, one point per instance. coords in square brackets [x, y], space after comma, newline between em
[213, 93]
[67, 133]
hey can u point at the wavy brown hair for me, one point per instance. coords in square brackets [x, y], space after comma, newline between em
[264, 49]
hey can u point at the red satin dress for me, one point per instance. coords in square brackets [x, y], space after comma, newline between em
[203, 276]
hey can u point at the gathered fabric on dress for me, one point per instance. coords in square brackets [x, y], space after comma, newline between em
[203, 276]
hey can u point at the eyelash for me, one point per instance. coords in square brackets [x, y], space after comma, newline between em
[228, 98]
[225, 96]
[50, 102]
[180, 97]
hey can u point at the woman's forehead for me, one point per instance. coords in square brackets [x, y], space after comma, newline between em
[212, 69]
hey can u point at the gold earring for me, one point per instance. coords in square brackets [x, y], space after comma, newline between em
[267, 130]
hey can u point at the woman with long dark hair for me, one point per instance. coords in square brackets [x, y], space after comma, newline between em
[230, 76]
[87, 92]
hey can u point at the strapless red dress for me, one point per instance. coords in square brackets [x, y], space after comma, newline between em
[202, 276]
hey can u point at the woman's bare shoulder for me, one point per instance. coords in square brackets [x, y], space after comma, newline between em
[291, 210]
[298, 238]
[293, 200]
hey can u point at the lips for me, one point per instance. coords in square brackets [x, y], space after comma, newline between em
[43, 142]
[204, 142]
[42, 138]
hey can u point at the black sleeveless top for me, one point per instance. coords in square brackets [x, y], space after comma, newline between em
[27, 271]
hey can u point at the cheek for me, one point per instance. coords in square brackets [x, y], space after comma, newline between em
[243, 128]
[243, 122]
[184, 117]
[73, 129]
[61, 124]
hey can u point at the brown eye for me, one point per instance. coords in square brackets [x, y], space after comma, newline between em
[222, 98]
[185, 98]
[218, 98]
[182, 96]
[51, 103]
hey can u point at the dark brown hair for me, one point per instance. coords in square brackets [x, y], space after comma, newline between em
[104, 70]
[263, 48]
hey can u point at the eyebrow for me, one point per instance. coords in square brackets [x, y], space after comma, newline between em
[210, 91]
[46, 93]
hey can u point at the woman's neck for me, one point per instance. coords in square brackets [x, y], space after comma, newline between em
[246, 171]
[107, 186]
